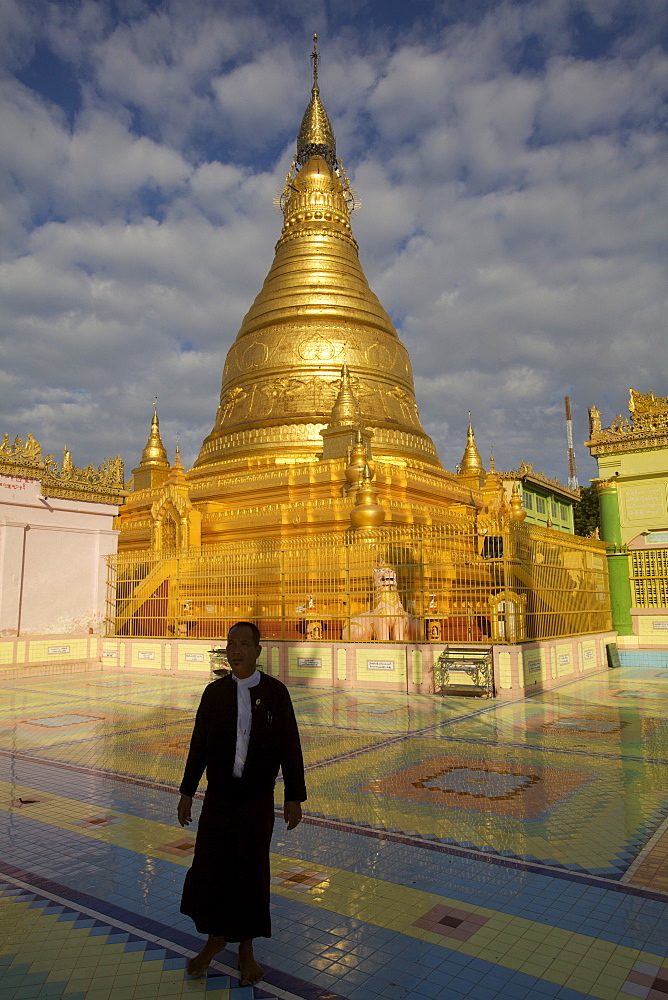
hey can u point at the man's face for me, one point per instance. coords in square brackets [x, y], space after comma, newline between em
[242, 652]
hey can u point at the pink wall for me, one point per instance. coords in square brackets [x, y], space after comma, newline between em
[52, 560]
[518, 670]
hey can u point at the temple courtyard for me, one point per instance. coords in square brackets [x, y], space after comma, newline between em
[451, 847]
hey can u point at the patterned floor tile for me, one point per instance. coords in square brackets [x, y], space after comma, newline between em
[450, 849]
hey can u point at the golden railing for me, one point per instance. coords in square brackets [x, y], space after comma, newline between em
[649, 578]
[454, 584]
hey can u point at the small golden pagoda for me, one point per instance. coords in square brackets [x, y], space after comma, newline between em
[317, 499]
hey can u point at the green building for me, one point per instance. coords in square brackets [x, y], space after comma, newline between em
[632, 456]
[546, 501]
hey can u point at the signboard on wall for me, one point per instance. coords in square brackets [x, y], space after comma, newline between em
[380, 664]
[643, 502]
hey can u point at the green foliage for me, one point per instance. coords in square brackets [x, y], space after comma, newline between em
[586, 513]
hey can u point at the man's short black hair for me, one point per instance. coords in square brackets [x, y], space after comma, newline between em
[252, 626]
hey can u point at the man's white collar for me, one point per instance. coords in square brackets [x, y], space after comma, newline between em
[248, 682]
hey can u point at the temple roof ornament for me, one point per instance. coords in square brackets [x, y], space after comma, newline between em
[177, 474]
[26, 456]
[90, 485]
[154, 454]
[517, 511]
[646, 427]
[345, 412]
[360, 459]
[471, 463]
[645, 403]
[525, 470]
[316, 137]
[367, 512]
[493, 478]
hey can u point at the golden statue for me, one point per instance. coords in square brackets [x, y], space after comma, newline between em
[33, 449]
[594, 421]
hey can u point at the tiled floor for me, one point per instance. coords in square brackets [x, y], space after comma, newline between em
[452, 848]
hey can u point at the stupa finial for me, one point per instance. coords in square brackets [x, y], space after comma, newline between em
[517, 511]
[345, 411]
[315, 55]
[154, 454]
[367, 512]
[471, 463]
[177, 472]
[316, 137]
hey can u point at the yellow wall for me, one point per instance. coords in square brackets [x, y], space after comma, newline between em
[505, 670]
[381, 655]
[321, 655]
[642, 488]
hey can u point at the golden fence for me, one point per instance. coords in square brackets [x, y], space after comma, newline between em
[411, 583]
[649, 578]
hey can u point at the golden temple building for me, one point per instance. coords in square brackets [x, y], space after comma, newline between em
[318, 505]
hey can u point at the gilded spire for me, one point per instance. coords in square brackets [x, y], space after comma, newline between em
[345, 412]
[316, 137]
[282, 375]
[471, 463]
[154, 455]
[177, 472]
[517, 511]
[367, 512]
[357, 463]
[493, 477]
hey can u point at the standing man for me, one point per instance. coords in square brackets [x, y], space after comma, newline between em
[245, 730]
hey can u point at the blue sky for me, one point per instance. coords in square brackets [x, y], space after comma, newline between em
[510, 159]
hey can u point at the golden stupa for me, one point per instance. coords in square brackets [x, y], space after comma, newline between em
[318, 499]
[316, 367]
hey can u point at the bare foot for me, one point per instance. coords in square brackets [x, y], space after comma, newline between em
[250, 972]
[198, 965]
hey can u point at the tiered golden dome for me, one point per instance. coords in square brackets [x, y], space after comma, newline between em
[314, 313]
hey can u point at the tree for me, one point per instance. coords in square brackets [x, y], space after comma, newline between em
[586, 513]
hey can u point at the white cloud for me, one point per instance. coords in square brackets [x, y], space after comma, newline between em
[585, 97]
[513, 196]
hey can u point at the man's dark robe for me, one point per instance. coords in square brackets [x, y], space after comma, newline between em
[226, 891]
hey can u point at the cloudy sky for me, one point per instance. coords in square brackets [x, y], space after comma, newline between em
[511, 161]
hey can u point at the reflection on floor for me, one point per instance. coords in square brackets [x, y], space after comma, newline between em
[452, 848]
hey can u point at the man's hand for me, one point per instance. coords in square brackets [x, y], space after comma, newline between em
[184, 810]
[292, 814]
